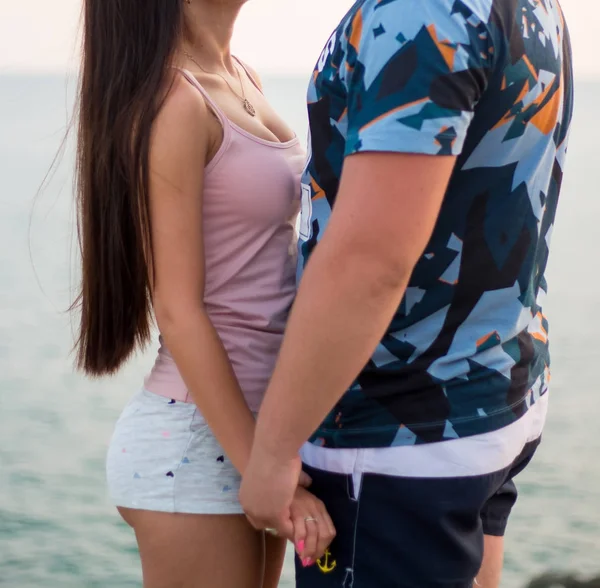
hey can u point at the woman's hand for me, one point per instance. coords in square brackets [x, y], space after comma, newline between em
[313, 527]
[305, 480]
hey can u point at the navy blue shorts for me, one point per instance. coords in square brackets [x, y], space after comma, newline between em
[401, 532]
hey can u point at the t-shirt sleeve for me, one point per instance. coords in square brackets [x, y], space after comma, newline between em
[414, 73]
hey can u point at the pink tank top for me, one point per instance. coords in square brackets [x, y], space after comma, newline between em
[251, 200]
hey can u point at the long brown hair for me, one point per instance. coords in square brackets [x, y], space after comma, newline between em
[127, 47]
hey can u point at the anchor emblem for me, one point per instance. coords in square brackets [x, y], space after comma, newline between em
[325, 565]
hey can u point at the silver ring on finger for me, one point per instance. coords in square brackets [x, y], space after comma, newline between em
[273, 532]
[310, 519]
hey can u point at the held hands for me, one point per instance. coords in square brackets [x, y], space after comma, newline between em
[313, 527]
[273, 498]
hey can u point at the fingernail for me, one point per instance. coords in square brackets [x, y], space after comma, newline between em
[307, 562]
[300, 546]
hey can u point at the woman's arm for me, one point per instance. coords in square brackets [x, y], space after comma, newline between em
[179, 150]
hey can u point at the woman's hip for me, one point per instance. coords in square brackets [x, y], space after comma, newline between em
[164, 457]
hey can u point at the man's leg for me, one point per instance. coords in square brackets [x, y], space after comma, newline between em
[495, 516]
[490, 574]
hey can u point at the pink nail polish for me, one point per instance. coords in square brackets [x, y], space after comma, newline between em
[300, 546]
[307, 562]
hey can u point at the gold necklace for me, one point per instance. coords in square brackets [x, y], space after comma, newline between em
[245, 102]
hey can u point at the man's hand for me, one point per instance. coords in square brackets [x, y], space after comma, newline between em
[268, 488]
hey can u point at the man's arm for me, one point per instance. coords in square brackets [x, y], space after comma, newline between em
[383, 218]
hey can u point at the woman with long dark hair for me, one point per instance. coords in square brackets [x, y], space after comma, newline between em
[188, 191]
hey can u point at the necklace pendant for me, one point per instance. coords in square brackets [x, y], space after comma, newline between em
[249, 108]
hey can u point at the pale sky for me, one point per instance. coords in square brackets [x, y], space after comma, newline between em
[272, 35]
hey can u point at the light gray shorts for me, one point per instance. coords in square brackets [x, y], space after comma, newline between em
[164, 457]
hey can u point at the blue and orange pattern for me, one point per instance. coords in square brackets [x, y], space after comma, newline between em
[490, 82]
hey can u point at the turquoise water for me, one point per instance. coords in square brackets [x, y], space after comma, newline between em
[57, 528]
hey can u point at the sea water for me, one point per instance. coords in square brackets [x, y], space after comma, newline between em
[57, 528]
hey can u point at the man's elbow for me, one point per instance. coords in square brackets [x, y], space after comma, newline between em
[391, 275]
[381, 270]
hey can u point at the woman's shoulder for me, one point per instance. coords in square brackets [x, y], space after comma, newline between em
[183, 104]
[183, 113]
[180, 132]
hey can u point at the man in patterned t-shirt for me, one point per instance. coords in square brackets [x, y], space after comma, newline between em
[416, 359]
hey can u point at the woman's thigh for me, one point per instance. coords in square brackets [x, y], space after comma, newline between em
[197, 551]
[274, 557]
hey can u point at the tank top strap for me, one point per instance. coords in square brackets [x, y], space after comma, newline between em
[250, 76]
[213, 105]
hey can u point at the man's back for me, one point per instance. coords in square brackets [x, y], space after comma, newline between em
[489, 81]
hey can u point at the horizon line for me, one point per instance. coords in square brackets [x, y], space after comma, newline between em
[278, 72]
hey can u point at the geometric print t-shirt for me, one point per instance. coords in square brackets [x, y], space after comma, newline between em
[488, 81]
